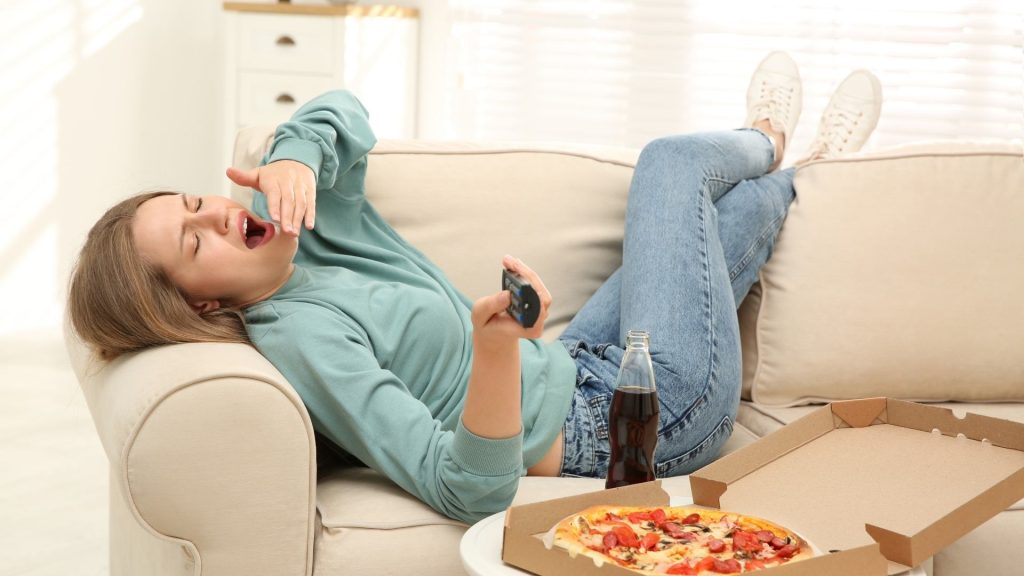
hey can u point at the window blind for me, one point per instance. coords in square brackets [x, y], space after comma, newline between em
[622, 72]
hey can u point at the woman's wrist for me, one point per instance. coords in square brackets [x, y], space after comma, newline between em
[494, 395]
[494, 344]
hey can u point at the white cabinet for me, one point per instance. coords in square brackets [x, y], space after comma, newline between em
[278, 56]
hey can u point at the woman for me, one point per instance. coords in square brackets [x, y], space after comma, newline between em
[454, 400]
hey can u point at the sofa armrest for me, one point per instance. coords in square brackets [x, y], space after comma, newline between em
[211, 449]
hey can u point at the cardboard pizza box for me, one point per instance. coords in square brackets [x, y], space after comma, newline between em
[878, 485]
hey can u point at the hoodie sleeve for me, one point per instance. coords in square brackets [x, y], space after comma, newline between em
[331, 134]
[369, 412]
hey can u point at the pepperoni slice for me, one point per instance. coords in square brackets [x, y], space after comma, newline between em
[746, 541]
[765, 535]
[638, 517]
[786, 551]
[676, 531]
[658, 515]
[715, 546]
[752, 565]
[626, 536]
[650, 541]
[730, 566]
[706, 563]
[692, 519]
[681, 568]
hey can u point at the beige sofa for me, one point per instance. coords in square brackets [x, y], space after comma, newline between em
[215, 468]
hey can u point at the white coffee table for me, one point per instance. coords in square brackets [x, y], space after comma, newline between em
[480, 548]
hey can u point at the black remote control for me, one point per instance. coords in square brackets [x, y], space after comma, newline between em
[525, 306]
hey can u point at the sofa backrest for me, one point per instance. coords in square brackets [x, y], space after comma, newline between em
[465, 205]
[897, 273]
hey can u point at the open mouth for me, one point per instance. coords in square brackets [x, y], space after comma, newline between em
[255, 233]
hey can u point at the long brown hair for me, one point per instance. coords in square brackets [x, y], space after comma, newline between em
[119, 302]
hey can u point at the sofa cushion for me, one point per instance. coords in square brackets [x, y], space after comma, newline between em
[353, 497]
[350, 497]
[357, 497]
[896, 274]
[421, 550]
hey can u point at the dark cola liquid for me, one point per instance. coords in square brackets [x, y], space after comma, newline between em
[633, 433]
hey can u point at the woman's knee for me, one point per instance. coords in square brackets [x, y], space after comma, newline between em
[681, 150]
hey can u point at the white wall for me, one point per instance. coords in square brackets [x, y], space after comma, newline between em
[435, 65]
[99, 99]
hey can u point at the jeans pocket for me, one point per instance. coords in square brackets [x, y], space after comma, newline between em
[599, 405]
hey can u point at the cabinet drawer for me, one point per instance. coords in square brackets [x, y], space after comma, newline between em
[286, 43]
[272, 98]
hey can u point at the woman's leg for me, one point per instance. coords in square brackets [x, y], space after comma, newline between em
[750, 216]
[676, 284]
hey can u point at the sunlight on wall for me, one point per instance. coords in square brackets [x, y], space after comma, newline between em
[43, 41]
[622, 72]
[104, 20]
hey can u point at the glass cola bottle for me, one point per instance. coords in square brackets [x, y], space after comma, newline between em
[633, 416]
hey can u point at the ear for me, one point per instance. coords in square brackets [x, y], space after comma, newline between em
[204, 306]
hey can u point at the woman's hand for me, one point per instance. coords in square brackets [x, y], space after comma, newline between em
[492, 325]
[290, 188]
[494, 395]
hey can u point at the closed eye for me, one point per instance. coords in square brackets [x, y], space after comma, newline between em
[199, 204]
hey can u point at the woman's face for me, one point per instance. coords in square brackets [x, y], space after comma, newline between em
[214, 250]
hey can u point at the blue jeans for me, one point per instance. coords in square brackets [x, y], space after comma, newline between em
[701, 219]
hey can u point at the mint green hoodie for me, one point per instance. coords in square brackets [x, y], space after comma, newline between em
[378, 343]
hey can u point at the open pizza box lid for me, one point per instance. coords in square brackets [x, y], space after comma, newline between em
[876, 485]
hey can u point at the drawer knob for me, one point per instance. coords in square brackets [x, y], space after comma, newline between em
[285, 41]
[285, 99]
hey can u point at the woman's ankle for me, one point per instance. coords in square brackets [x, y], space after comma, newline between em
[778, 139]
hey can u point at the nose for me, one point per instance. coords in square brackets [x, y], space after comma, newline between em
[213, 218]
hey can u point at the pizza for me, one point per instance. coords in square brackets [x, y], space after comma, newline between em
[678, 540]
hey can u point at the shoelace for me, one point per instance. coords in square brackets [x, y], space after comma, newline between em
[774, 105]
[838, 126]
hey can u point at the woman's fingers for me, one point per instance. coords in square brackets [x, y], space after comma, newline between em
[519, 267]
[310, 207]
[486, 307]
[287, 206]
[290, 188]
[301, 203]
[273, 194]
[246, 178]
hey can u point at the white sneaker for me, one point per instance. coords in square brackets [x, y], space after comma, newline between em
[775, 94]
[849, 118]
